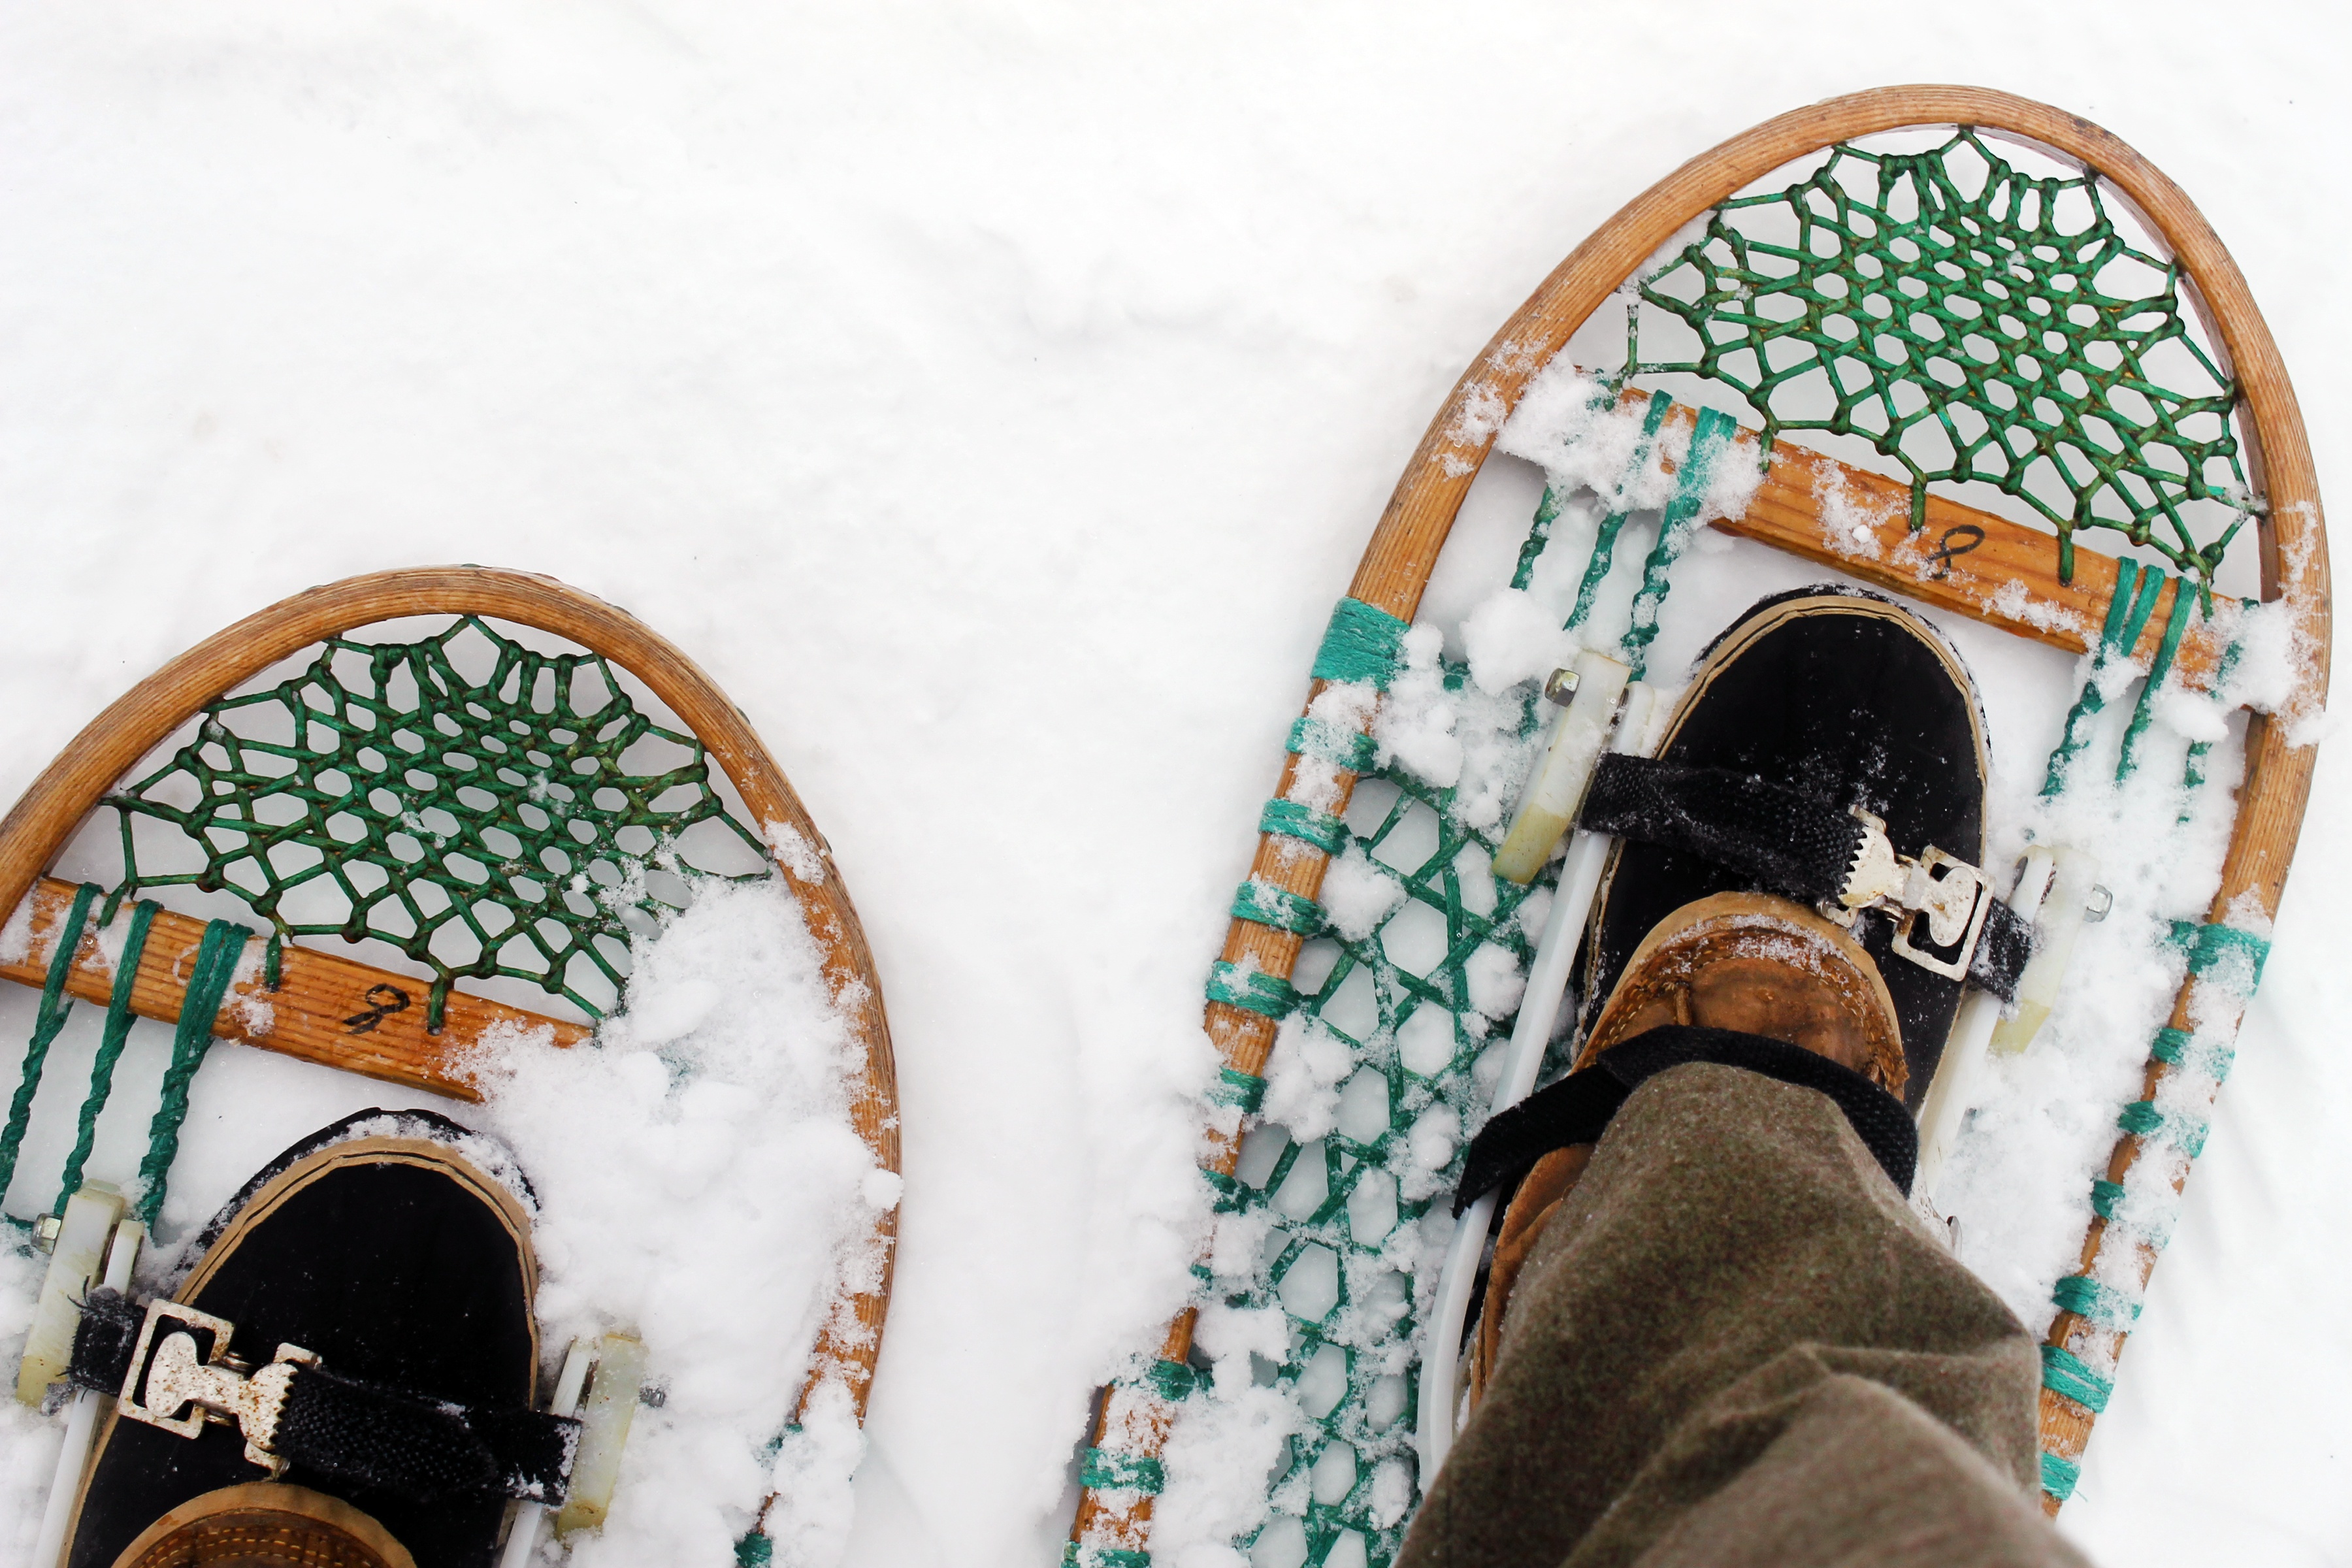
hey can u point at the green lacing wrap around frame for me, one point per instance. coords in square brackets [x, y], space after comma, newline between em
[2209, 945]
[1267, 905]
[511, 823]
[1241, 1090]
[1254, 989]
[1292, 820]
[2094, 1302]
[1973, 323]
[1077, 1556]
[2064, 1372]
[1105, 1471]
[1363, 642]
[2059, 1475]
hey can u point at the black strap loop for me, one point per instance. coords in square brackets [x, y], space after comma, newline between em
[1578, 1108]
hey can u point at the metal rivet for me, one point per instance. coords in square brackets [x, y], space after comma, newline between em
[1560, 686]
[2098, 906]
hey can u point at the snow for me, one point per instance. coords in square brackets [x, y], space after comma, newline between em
[993, 399]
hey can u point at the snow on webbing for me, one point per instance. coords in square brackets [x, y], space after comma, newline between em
[1327, 1241]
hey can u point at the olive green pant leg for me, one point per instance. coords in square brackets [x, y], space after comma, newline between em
[1736, 1343]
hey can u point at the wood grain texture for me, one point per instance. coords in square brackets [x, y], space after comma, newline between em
[1810, 505]
[41, 823]
[321, 1011]
[1787, 514]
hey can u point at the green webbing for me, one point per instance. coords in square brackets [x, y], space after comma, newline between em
[55, 1010]
[1709, 437]
[2179, 1048]
[523, 824]
[1237, 1089]
[1604, 539]
[119, 1019]
[1105, 1471]
[2175, 624]
[1304, 823]
[2208, 945]
[1531, 550]
[2097, 1304]
[2059, 1475]
[1969, 337]
[756, 1548]
[1334, 743]
[216, 966]
[2064, 1372]
[2105, 1196]
[1255, 989]
[2192, 770]
[1267, 905]
[1363, 643]
[2127, 617]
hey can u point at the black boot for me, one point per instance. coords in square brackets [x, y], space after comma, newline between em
[395, 1248]
[1851, 700]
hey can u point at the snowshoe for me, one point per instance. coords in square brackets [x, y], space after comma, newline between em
[1838, 336]
[482, 839]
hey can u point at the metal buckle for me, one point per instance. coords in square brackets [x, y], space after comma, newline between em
[182, 1364]
[1939, 901]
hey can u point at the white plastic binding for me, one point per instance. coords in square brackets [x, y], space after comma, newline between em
[604, 1431]
[2067, 876]
[522, 1536]
[1571, 905]
[87, 1408]
[1555, 791]
[89, 1221]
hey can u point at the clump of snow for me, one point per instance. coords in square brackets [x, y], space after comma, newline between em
[700, 1184]
[1303, 1076]
[1416, 724]
[1358, 893]
[2021, 1173]
[1512, 638]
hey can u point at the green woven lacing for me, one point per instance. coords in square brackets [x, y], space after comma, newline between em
[1474, 909]
[1972, 322]
[492, 827]
[516, 824]
[1433, 882]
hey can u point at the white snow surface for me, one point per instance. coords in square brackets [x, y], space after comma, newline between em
[993, 399]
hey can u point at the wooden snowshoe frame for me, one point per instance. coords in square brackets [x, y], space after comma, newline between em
[1113, 1518]
[322, 995]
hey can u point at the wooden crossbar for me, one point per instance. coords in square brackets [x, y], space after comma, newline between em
[1977, 564]
[326, 1008]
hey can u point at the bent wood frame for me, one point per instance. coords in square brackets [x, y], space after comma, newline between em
[321, 990]
[1786, 514]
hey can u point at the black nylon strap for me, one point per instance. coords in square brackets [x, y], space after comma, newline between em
[1788, 842]
[1791, 842]
[1578, 1108]
[410, 1444]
